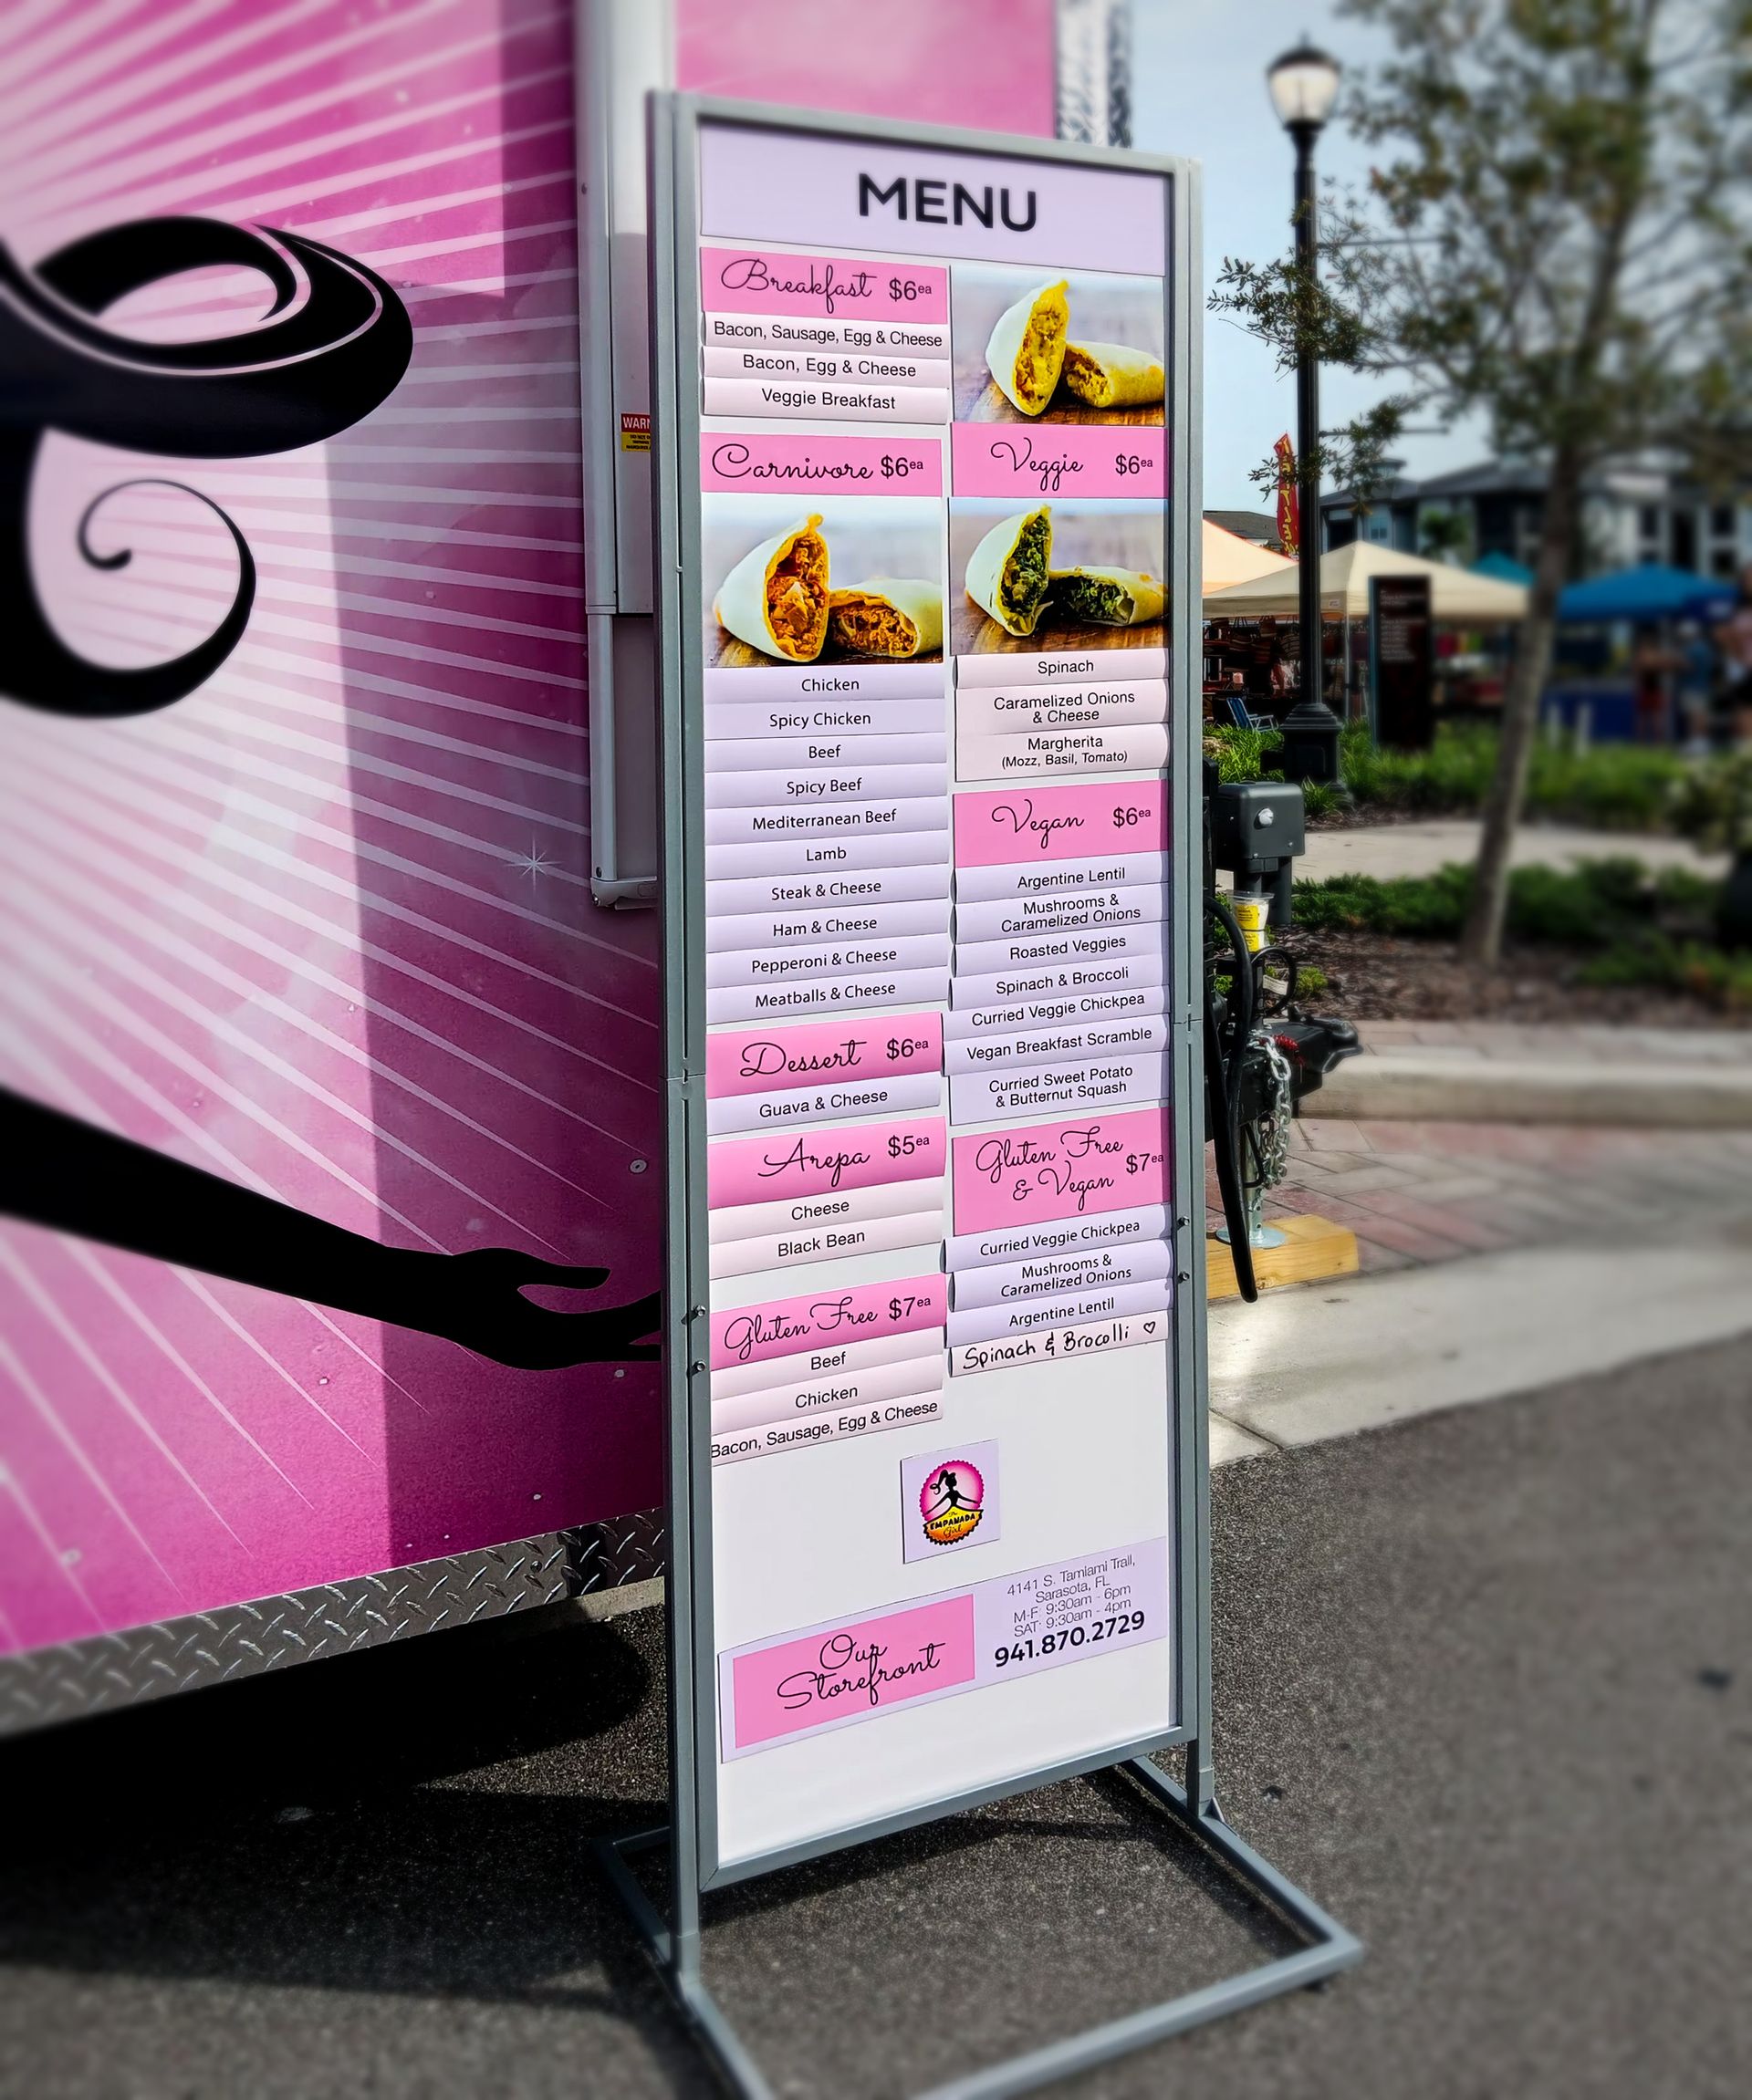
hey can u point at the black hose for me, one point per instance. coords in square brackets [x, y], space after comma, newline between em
[1223, 1094]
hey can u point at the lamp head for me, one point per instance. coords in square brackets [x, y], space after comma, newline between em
[1304, 85]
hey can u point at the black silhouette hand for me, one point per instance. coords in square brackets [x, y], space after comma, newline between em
[477, 1299]
[72, 1178]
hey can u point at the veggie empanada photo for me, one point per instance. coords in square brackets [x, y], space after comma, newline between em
[1007, 571]
[1105, 596]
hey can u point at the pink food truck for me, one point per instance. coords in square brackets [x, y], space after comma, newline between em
[331, 1201]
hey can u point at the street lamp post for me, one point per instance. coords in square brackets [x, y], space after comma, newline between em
[1304, 84]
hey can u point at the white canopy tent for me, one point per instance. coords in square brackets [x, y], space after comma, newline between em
[1230, 559]
[1457, 597]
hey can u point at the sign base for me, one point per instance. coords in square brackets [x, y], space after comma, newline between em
[1330, 1948]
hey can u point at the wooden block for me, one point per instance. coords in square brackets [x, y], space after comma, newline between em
[1315, 1247]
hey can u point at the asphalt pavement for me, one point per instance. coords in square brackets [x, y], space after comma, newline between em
[1484, 1687]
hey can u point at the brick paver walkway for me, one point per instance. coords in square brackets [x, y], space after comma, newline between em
[1418, 1192]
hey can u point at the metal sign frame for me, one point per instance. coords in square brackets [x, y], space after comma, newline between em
[691, 1835]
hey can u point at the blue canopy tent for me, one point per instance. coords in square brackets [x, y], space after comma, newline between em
[1651, 592]
[1503, 567]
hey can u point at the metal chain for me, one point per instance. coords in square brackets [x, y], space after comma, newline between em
[1270, 1139]
[1274, 1125]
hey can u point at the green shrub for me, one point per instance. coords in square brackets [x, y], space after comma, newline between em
[1596, 904]
[1584, 906]
[1655, 958]
[1684, 897]
[1239, 752]
[1609, 786]
[1713, 804]
[1452, 775]
[1424, 907]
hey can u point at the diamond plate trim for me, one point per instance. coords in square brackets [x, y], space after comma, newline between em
[622, 1549]
[86, 1676]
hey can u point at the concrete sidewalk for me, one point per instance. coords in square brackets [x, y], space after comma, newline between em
[1422, 846]
[1503, 1072]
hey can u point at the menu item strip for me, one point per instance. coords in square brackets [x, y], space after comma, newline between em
[769, 361]
[805, 755]
[823, 923]
[1060, 1235]
[1076, 1084]
[1004, 918]
[1057, 1344]
[826, 856]
[802, 1246]
[1127, 749]
[1123, 869]
[874, 1097]
[765, 966]
[737, 330]
[913, 1412]
[968, 1022]
[836, 1206]
[737, 787]
[885, 988]
[906, 1379]
[1048, 1276]
[1029, 1046]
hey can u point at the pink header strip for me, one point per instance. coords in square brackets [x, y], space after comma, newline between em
[1061, 822]
[1059, 459]
[851, 1672]
[752, 280]
[823, 1319]
[809, 1163]
[1063, 1169]
[772, 1060]
[753, 463]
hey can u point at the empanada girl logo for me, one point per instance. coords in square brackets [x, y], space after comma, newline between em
[951, 1501]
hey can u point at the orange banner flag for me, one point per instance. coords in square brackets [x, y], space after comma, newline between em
[1289, 502]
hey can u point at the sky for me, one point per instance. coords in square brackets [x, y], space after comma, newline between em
[1199, 77]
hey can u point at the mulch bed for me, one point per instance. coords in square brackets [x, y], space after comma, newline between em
[1377, 977]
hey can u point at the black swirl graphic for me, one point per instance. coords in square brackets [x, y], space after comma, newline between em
[333, 345]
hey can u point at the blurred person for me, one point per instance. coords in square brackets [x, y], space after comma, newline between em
[1695, 680]
[1652, 664]
[1733, 721]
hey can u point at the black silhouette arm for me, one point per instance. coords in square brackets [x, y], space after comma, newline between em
[58, 1172]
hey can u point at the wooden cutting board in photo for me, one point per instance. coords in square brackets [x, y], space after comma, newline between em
[976, 633]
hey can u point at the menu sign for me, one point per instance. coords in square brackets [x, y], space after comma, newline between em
[927, 468]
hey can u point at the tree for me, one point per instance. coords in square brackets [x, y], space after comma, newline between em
[1446, 535]
[1559, 237]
